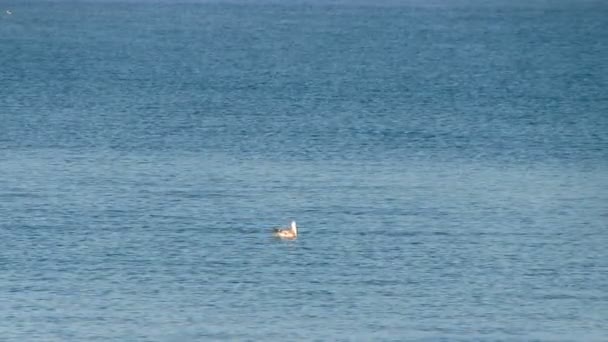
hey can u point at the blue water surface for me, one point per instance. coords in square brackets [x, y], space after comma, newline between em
[446, 162]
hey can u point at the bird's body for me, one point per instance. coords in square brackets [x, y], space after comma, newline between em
[287, 233]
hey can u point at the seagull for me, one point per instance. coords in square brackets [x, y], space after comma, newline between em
[9, 12]
[287, 233]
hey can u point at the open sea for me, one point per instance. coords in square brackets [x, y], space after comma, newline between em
[446, 163]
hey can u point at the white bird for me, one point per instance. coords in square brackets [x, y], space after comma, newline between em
[287, 233]
[9, 12]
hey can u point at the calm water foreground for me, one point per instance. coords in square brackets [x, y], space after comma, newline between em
[446, 163]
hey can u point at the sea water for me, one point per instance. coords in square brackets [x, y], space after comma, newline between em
[446, 163]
